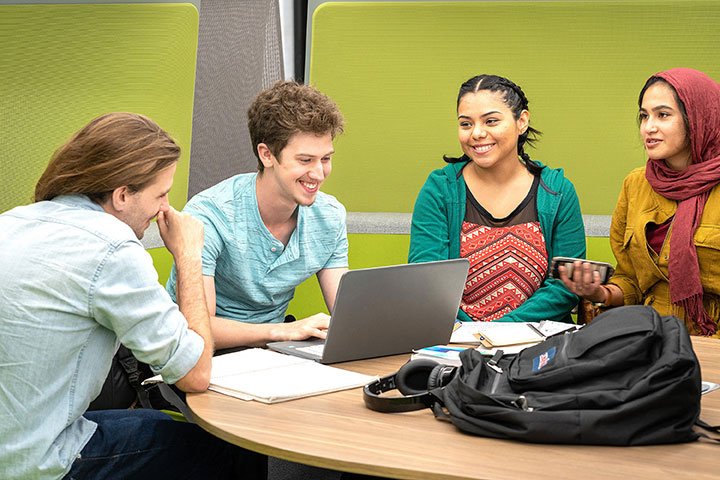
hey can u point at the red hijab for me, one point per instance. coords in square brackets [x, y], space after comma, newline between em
[690, 187]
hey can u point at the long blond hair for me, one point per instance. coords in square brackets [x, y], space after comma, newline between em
[113, 150]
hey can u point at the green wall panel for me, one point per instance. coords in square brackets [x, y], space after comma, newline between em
[373, 250]
[599, 249]
[394, 68]
[366, 250]
[62, 65]
[163, 262]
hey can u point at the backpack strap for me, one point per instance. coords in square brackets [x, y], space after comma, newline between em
[711, 428]
[702, 435]
[130, 364]
[705, 426]
[439, 412]
[174, 399]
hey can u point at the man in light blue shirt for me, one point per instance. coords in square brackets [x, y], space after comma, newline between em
[267, 232]
[76, 281]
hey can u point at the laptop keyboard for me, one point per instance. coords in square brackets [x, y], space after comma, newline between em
[313, 349]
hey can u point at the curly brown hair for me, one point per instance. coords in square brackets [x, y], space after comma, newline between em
[113, 150]
[288, 108]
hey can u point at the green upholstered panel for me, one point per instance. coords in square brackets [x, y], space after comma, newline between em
[366, 250]
[395, 69]
[598, 248]
[62, 65]
[163, 262]
[308, 299]
[374, 250]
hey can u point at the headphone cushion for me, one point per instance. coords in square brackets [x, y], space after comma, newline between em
[412, 378]
[436, 377]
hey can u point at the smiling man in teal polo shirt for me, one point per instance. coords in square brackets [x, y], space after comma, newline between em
[267, 232]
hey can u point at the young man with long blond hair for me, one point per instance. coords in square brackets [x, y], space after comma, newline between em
[76, 281]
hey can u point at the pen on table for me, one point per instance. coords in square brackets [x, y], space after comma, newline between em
[537, 330]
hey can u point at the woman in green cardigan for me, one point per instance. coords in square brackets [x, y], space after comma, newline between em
[507, 214]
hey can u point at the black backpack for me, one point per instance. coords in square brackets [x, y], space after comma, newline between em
[630, 377]
[123, 386]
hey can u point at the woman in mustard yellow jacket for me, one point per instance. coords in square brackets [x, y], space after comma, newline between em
[665, 231]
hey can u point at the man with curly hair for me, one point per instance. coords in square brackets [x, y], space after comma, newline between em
[267, 232]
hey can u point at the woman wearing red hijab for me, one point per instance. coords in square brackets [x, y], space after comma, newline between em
[665, 231]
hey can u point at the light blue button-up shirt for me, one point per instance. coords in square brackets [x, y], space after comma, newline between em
[74, 281]
[255, 274]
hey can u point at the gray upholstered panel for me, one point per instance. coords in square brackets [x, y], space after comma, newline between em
[152, 237]
[597, 225]
[399, 224]
[239, 54]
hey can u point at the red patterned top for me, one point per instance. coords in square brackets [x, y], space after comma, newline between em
[508, 258]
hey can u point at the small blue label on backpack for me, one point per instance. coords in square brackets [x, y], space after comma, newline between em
[541, 360]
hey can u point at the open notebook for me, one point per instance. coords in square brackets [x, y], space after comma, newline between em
[270, 377]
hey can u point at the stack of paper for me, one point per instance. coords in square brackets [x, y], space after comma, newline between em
[266, 376]
[491, 336]
[504, 334]
[450, 355]
[444, 354]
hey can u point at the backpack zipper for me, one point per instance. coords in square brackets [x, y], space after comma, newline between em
[493, 364]
[520, 402]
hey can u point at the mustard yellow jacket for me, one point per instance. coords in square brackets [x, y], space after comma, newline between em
[641, 273]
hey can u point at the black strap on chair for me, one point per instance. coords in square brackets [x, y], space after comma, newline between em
[130, 364]
[172, 397]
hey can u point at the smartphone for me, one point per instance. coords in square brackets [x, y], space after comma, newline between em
[605, 269]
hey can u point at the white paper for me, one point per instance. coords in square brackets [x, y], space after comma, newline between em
[272, 377]
[249, 360]
[501, 332]
[505, 330]
[549, 327]
[464, 334]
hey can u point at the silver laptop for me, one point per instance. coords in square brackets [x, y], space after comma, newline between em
[388, 310]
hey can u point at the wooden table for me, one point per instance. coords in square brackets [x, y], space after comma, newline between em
[336, 431]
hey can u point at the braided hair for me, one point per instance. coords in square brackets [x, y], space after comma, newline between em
[515, 99]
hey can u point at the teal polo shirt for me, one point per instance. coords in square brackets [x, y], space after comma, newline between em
[255, 274]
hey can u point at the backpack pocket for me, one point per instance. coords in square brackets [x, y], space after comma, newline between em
[617, 340]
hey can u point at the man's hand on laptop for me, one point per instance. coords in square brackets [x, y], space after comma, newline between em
[312, 326]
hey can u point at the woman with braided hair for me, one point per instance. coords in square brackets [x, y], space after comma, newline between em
[508, 214]
[665, 230]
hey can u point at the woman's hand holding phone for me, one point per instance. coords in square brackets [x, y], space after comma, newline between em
[583, 278]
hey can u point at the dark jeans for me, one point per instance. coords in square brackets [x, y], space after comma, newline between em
[138, 444]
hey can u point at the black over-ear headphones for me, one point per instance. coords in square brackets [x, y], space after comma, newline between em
[414, 380]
